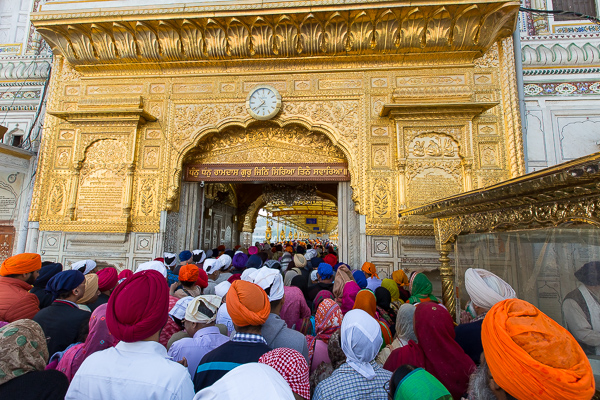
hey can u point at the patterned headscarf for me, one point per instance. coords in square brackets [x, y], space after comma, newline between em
[328, 319]
[24, 349]
[322, 295]
[292, 365]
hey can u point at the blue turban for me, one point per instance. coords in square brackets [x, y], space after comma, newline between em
[254, 262]
[47, 272]
[64, 282]
[315, 262]
[360, 279]
[325, 271]
[185, 255]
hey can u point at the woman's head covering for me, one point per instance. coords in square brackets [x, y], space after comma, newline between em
[327, 320]
[365, 300]
[369, 268]
[254, 261]
[188, 273]
[392, 288]
[21, 264]
[300, 282]
[225, 262]
[24, 349]
[420, 289]
[64, 282]
[351, 289]
[153, 266]
[239, 261]
[360, 279]
[310, 253]
[138, 308]
[421, 385]
[178, 310]
[252, 250]
[250, 381]
[203, 309]
[531, 356]
[247, 304]
[322, 295]
[107, 279]
[47, 272]
[91, 289]
[400, 277]
[289, 275]
[404, 322]
[486, 289]
[313, 275]
[292, 366]
[361, 341]
[299, 261]
[99, 338]
[383, 298]
[342, 276]
[273, 264]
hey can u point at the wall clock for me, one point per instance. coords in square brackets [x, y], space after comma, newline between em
[263, 102]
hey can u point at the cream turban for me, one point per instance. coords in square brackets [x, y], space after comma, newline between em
[271, 281]
[210, 301]
[486, 289]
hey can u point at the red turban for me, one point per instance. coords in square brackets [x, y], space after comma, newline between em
[531, 356]
[234, 278]
[202, 280]
[126, 273]
[188, 273]
[139, 307]
[107, 279]
[21, 264]
[247, 304]
[330, 259]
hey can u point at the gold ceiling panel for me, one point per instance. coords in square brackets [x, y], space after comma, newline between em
[324, 211]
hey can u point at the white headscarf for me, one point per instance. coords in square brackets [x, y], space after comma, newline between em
[486, 289]
[88, 264]
[361, 340]
[170, 255]
[209, 301]
[224, 261]
[202, 255]
[250, 381]
[270, 278]
[222, 288]
[310, 253]
[178, 310]
[249, 274]
[211, 265]
[153, 265]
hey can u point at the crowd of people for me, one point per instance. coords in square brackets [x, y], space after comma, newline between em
[284, 321]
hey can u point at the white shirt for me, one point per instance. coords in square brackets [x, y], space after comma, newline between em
[128, 371]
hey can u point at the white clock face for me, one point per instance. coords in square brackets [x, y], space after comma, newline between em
[263, 102]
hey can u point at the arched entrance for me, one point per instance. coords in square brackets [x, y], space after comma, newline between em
[295, 175]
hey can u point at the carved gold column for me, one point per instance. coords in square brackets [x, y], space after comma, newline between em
[447, 275]
[468, 175]
[128, 190]
[74, 186]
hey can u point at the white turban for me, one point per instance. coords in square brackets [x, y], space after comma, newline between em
[271, 281]
[361, 340]
[210, 301]
[211, 265]
[153, 265]
[222, 288]
[84, 266]
[224, 261]
[178, 310]
[201, 253]
[310, 253]
[171, 256]
[486, 289]
[250, 381]
[248, 274]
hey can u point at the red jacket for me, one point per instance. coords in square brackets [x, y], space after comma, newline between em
[15, 300]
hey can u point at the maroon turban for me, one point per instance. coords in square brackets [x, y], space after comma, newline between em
[139, 307]
[126, 273]
[107, 279]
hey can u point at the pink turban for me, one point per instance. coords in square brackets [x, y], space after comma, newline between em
[107, 279]
[138, 308]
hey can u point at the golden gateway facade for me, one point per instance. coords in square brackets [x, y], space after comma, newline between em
[418, 99]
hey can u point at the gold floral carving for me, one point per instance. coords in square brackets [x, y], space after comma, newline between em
[147, 197]
[57, 197]
[381, 198]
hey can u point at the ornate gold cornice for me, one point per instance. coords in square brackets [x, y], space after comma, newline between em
[220, 33]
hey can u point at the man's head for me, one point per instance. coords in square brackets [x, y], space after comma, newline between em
[212, 266]
[486, 289]
[200, 313]
[271, 281]
[185, 257]
[85, 266]
[107, 280]
[483, 387]
[589, 274]
[248, 306]
[530, 356]
[188, 274]
[91, 291]
[325, 273]
[25, 267]
[67, 285]
[370, 270]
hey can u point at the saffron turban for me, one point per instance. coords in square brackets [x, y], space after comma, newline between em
[239, 260]
[299, 261]
[84, 266]
[202, 280]
[369, 268]
[91, 288]
[252, 250]
[486, 289]
[289, 249]
[531, 356]
[154, 266]
[247, 304]
[400, 277]
[211, 265]
[330, 259]
[47, 272]
[185, 255]
[271, 281]
[21, 264]
[195, 313]
[126, 273]
[107, 279]
[188, 273]
[138, 308]
[64, 281]
[198, 256]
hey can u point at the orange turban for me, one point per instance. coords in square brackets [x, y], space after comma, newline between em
[531, 356]
[188, 273]
[247, 304]
[21, 264]
[366, 301]
[369, 268]
[400, 277]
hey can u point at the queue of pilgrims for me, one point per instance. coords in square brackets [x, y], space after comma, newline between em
[281, 322]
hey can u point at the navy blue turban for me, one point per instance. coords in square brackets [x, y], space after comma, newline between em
[64, 282]
[47, 272]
